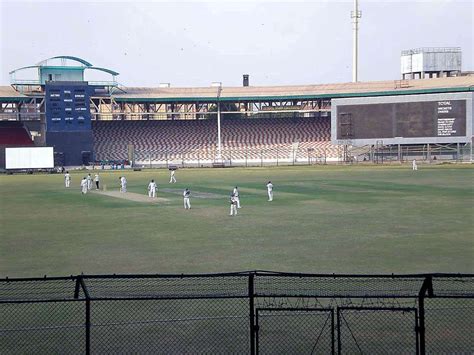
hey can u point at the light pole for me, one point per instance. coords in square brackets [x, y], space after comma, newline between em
[355, 15]
[219, 146]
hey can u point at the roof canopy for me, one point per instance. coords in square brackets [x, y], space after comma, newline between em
[64, 58]
[78, 64]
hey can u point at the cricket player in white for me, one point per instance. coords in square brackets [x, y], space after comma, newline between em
[413, 165]
[233, 206]
[236, 196]
[172, 178]
[67, 179]
[123, 184]
[270, 191]
[89, 181]
[186, 195]
[152, 189]
[97, 181]
[84, 186]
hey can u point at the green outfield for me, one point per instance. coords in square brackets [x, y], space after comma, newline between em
[324, 219]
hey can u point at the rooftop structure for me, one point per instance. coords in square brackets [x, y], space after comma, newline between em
[431, 62]
[59, 68]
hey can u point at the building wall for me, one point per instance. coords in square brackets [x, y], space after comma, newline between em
[59, 74]
[71, 145]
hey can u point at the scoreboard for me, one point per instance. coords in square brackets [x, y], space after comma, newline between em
[67, 106]
[68, 121]
[413, 119]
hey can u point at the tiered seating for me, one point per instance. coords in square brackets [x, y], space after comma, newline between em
[14, 134]
[244, 138]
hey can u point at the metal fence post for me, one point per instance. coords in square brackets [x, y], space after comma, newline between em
[426, 287]
[252, 314]
[88, 315]
[338, 325]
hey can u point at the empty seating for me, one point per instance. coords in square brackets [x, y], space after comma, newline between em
[242, 138]
[14, 134]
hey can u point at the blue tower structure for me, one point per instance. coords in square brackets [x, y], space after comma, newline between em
[67, 104]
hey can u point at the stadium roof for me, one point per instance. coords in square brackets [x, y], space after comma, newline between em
[254, 93]
[249, 93]
[8, 94]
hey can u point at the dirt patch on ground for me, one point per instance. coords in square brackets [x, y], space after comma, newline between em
[196, 194]
[131, 196]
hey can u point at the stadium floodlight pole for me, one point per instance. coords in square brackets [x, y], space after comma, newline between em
[355, 15]
[219, 147]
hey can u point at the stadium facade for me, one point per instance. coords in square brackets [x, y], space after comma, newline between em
[87, 120]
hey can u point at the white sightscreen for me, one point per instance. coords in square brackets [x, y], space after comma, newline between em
[29, 158]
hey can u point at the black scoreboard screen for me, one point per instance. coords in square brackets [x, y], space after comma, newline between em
[402, 120]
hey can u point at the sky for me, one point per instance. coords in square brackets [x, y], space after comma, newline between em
[194, 43]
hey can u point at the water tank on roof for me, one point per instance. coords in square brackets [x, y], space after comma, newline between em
[431, 62]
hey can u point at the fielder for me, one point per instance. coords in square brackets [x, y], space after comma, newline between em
[97, 181]
[186, 195]
[270, 191]
[67, 179]
[236, 196]
[152, 189]
[233, 205]
[89, 181]
[84, 186]
[414, 166]
[123, 184]
[172, 177]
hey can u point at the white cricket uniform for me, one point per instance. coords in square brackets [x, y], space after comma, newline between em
[270, 191]
[89, 182]
[84, 185]
[186, 195]
[152, 189]
[96, 179]
[233, 206]
[172, 178]
[67, 179]
[236, 197]
[413, 165]
[123, 184]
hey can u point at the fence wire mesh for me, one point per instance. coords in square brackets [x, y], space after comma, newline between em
[170, 326]
[295, 331]
[449, 325]
[246, 312]
[377, 330]
[42, 328]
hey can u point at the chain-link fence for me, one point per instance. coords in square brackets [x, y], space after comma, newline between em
[426, 153]
[246, 155]
[247, 312]
[297, 153]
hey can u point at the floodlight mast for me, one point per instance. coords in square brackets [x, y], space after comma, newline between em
[219, 146]
[355, 15]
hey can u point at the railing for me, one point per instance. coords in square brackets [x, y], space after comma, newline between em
[230, 156]
[244, 312]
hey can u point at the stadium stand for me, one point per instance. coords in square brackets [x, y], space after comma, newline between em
[13, 134]
[242, 138]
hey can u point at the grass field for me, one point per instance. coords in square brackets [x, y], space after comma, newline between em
[324, 219]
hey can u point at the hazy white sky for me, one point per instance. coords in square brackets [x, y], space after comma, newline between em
[195, 43]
